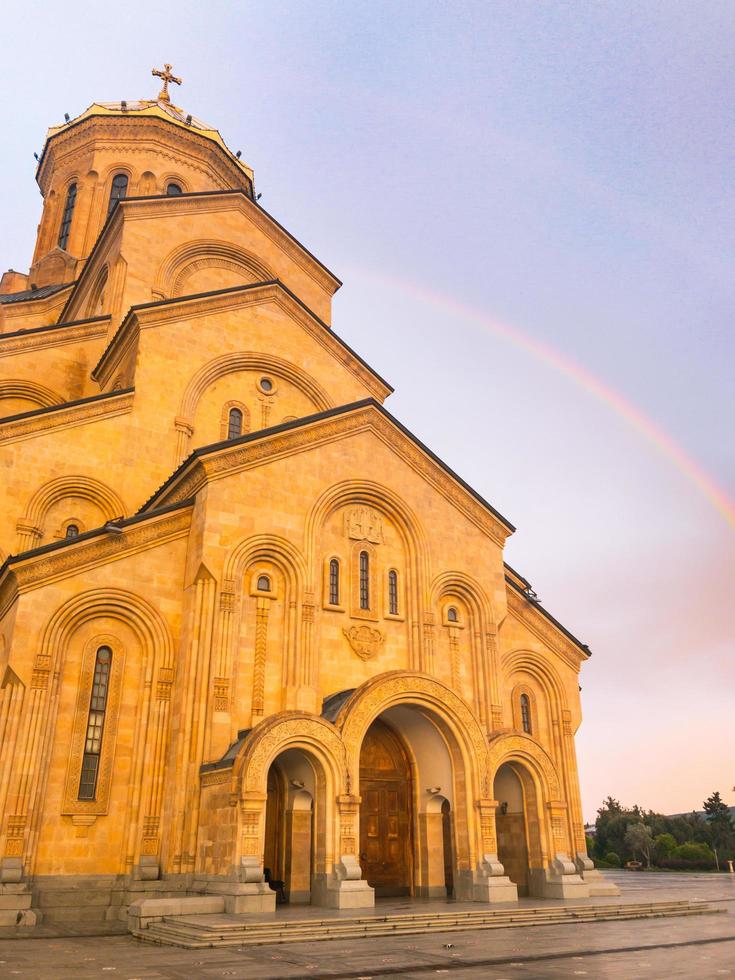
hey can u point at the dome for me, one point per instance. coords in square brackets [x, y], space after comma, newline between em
[146, 109]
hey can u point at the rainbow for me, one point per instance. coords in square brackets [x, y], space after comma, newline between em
[645, 426]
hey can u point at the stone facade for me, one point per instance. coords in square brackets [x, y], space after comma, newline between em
[199, 478]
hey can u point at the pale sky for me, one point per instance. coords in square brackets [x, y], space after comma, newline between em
[561, 168]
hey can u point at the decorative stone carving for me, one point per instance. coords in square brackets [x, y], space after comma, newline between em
[364, 524]
[221, 694]
[165, 680]
[364, 640]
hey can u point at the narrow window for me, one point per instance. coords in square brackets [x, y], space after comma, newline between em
[526, 713]
[334, 582]
[393, 592]
[364, 580]
[234, 423]
[452, 616]
[264, 583]
[118, 190]
[72, 530]
[71, 200]
[95, 724]
[173, 190]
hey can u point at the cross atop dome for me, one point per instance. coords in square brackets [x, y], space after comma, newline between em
[167, 77]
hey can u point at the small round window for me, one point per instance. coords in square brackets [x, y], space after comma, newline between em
[266, 385]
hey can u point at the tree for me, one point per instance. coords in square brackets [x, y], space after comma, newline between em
[638, 838]
[720, 822]
[664, 844]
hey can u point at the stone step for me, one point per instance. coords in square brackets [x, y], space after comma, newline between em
[179, 931]
[236, 923]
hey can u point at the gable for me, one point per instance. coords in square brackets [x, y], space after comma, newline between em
[163, 242]
[387, 452]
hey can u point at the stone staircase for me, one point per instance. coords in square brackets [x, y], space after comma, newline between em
[197, 931]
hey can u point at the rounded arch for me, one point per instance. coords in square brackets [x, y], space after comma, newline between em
[399, 687]
[142, 617]
[250, 361]
[519, 748]
[174, 178]
[30, 391]
[545, 675]
[206, 253]
[157, 661]
[383, 499]
[467, 588]
[86, 487]
[270, 547]
[288, 730]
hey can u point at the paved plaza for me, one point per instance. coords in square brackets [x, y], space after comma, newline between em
[700, 947]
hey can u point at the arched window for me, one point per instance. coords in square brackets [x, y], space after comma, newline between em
[173, 190]
[393, 592]
[264, 583]
[234, 423]
[526, 713]
[72, 530]
[334, 582]
[452, 616]
[71, 200]
[95, 725]
[118, 191]
[364, 580]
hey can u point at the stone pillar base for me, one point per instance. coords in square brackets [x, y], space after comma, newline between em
[559, 880]
[493, 890]
[15, 906]
[346, 894]
[243, 897]
[488, 883]
[596, 882]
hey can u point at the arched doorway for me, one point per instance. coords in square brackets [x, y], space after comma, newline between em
[511, 827]
[386, 823]
[288, 854]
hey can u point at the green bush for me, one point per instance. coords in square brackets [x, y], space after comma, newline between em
[599, 863]
[690, 856]
[664, 845]
[612, 859]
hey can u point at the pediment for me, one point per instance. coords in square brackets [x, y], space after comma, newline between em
[221, 460]
[185, 310]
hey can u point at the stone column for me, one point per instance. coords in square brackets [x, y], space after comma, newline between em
[490, 884]
[346, 888]
[184, 432]
[561, 878]
[29, 536]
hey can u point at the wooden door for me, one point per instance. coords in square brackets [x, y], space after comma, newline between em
[385, 813]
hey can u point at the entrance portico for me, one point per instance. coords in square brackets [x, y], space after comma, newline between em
[394, 791]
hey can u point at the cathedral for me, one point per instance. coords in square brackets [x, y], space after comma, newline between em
[257, 642]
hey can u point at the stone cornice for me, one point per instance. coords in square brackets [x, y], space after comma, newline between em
[221, 460]
[48, 420]
[545, 628]
[54, 335]
[101, 128]
[40, 568]
[187, 308]
[43, 305]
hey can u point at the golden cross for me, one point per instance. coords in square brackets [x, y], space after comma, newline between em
[167, 77]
